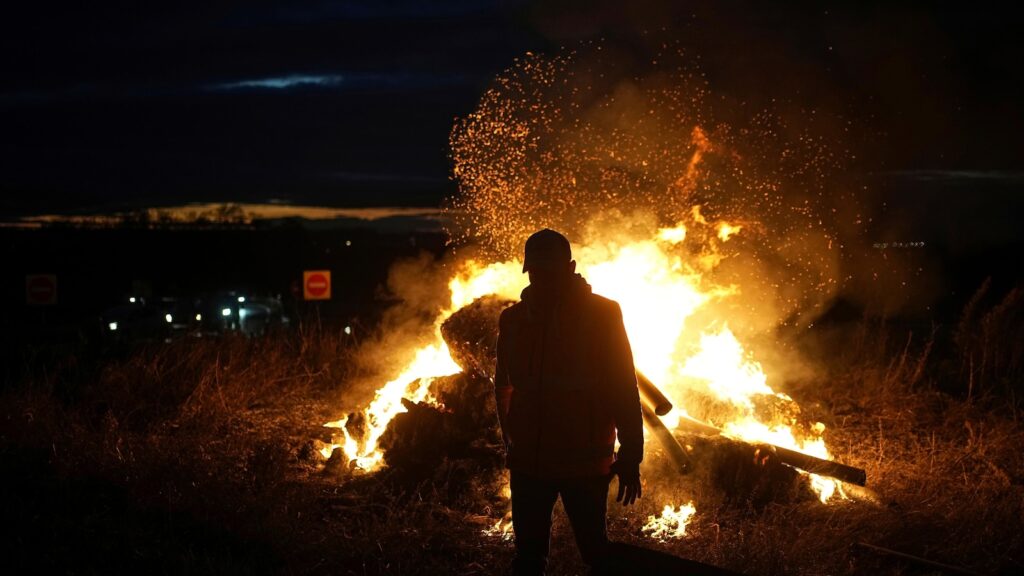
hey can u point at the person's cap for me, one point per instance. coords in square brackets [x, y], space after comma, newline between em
[546, 248]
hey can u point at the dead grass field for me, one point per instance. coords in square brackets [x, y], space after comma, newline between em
[197, 457]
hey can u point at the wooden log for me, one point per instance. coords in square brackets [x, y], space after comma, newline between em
[666, 438]
[651, 396]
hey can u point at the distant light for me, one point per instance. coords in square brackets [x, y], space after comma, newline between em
[168, 317]
[225, 312]
[241, 298]
[112, 326]
[348, 330]
[199, 317]
[348, 242]
[132, 300]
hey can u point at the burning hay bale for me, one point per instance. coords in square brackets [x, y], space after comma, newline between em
[416, 440]
[458, 434]
[463, 418]
[452, 433]
[470, 401]
[472, 335]
[462, 424]
[745, 476]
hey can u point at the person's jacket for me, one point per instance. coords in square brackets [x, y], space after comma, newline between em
[565, 383]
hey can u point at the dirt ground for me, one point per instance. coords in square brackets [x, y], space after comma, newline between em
[200, 457]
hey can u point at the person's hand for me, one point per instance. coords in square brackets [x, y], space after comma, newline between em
[629, 481]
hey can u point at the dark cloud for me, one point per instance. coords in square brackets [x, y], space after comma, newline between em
[47, 47]
[287, 83]
[124, 102]
[127, 104]
[338, 81]
[333, 10]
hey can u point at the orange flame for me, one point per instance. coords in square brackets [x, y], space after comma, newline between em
[659, 292]
[671, 523]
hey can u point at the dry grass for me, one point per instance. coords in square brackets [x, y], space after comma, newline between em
[197, 457]
[986, 338]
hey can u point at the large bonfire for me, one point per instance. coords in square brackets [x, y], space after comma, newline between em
[709, 235]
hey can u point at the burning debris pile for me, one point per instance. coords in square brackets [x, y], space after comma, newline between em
[455, 420]
[472, 336]
[737, 435]
[758, 472]
[707, 235]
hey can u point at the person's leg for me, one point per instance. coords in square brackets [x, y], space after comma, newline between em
[586, 505]
[533, 499]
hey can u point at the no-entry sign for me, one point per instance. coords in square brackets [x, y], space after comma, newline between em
[41, 289]
[316, 284]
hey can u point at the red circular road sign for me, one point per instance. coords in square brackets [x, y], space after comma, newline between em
[317, 284]
[41, 289]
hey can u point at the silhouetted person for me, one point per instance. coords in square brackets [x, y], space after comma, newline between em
[565, 384]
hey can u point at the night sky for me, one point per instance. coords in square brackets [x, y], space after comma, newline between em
[349, 103]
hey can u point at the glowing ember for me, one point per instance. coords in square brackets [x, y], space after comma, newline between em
[501, 529]
[726, 231]
[671, 524]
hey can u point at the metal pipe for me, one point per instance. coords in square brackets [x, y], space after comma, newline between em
[654, 399]
[651, 396]
[666, 438]
[791, 457]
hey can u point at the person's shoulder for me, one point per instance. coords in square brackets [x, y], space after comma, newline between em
[604, 306]
[514, 309]
[512, 313]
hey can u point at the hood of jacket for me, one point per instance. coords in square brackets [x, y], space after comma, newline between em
[575, 289]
